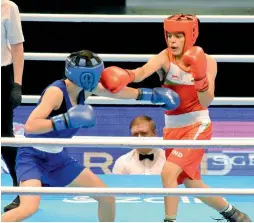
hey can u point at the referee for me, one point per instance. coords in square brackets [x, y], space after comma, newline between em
[12, 64]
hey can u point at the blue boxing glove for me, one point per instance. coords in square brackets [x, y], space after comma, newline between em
[76, 117]
[169, 97]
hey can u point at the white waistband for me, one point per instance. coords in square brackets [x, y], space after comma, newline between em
[177, 121]
[49, 149]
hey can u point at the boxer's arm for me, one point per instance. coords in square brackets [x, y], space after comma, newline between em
[125, 93]
[205, 98]
[169, 98]
[154, 64]
[37, 122]
[114, 79]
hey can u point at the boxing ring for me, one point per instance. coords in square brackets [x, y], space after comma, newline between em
[134, 193]
[136, 208]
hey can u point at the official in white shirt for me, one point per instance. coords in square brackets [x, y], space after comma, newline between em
[12, 64]
[141, 161]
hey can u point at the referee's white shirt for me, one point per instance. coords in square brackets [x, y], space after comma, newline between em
[11, 30]
[130, 163]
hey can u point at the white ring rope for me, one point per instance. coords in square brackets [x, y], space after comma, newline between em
[126, 191]
[96, 100]
[127, 143]
[129, 18]
[133, 57]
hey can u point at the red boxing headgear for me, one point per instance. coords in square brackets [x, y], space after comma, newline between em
[188, 24]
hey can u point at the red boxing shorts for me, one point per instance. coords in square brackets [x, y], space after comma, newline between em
[188, 159]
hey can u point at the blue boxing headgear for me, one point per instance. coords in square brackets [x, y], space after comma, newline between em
[84, 69]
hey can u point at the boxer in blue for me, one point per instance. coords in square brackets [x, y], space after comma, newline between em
[59, 114]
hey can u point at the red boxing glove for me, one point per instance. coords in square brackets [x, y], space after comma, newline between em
[195, 58]
[114, 79]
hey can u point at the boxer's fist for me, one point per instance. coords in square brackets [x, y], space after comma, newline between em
[168, 97]
[114, 79]
[195, 59]
[76, 117]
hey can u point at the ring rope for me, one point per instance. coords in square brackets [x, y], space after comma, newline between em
[133, 57]
[30, 17]
[128, 143]
[93, 100]
[126, 191]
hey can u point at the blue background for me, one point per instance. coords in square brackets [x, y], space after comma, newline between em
[115, 120]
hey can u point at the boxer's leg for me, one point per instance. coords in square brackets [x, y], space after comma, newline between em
[29, 174]
[106, 204]
[73, 174]
[181, 163]
[28, 204]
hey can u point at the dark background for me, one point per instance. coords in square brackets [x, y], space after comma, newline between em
[233, 79]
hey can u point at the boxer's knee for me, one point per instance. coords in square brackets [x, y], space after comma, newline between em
[29, 205]
[170, 173]
[29, 210]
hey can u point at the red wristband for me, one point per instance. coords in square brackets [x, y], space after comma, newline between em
[201, 85]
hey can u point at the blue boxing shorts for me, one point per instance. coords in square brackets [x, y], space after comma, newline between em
[52, 169]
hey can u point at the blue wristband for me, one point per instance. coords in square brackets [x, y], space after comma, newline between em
[59, 122]
[145, 94]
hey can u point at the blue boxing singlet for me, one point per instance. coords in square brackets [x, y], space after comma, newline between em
[65, 106]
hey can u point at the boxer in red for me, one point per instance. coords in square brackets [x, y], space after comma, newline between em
[191, 73]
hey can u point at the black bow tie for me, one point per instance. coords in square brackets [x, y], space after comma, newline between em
[146, 156]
